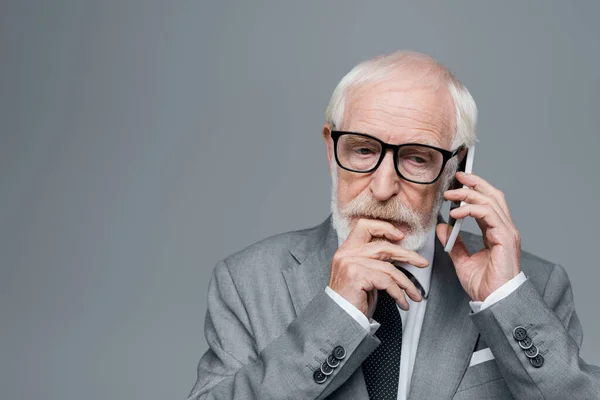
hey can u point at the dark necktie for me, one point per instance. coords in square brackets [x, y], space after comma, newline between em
[382, 368]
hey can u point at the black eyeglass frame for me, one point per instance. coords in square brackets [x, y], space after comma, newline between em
[446, 154]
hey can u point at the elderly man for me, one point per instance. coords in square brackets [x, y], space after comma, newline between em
[367, 304]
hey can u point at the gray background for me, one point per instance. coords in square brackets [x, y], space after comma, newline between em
[142, 141]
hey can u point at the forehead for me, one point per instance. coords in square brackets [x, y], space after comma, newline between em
[400, 112]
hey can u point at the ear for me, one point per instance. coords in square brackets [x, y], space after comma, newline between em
[328, 142]
[462, 153]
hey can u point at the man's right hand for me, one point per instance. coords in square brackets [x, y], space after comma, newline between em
[360, 266]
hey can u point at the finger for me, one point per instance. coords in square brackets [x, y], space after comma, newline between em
[483, 213]
[404, 282]
[474, 197]
[372, 267]
[494, 230]
[459, 253]
[376, 267]
[481, 185]
[383, 281]
[366, 229]
[389, 251]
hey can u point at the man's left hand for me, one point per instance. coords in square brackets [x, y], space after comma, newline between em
[499, 261]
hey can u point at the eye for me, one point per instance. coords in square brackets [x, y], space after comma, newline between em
[417, 159]
[364, 151]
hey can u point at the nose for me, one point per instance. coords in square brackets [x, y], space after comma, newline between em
[385, 182]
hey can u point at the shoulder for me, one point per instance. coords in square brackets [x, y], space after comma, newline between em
[540, 271]
[269, 255]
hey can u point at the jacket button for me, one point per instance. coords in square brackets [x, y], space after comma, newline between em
[326, 369]
[339, 352]
[532, 352]
[520, 333]
[537, 361]
[526, 343]
[332, 361]
[319, 377]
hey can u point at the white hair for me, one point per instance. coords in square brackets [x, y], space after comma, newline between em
[412, 241]
[379, 69]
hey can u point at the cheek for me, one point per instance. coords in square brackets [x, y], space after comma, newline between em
[420, 197]
[349, 186]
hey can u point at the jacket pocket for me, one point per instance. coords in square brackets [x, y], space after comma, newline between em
[479, 374]
[492, 390]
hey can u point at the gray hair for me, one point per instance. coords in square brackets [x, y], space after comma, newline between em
[379, 68]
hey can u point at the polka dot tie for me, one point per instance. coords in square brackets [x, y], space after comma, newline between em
[381, 369]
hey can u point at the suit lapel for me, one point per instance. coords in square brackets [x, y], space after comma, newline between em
[447, 336]
[311, 273]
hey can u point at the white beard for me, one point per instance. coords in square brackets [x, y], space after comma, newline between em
[419, 224]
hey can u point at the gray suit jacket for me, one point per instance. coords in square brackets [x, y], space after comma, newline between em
[270, 325]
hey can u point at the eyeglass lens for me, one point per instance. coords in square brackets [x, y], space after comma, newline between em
[415, 162]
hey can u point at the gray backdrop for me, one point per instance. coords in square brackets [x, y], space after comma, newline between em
[142, 141]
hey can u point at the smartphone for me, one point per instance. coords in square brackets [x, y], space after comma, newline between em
[466, 165]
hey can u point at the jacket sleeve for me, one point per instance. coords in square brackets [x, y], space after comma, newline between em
[550, 321]
[233, 367]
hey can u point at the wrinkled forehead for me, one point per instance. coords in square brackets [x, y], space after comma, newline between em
[404, 104]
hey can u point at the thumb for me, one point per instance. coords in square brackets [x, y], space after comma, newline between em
[459, 253]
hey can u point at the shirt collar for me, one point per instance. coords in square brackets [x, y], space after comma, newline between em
[423, 275]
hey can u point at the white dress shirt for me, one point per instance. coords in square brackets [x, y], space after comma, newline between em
[412, 320]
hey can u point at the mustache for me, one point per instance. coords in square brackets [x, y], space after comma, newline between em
[391, 210]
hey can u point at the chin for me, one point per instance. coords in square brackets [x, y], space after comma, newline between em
[414, 241]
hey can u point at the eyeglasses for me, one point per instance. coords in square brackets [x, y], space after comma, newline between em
[417, 163]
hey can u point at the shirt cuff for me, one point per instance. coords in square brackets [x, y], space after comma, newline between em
[369, 326]
[499, 293]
